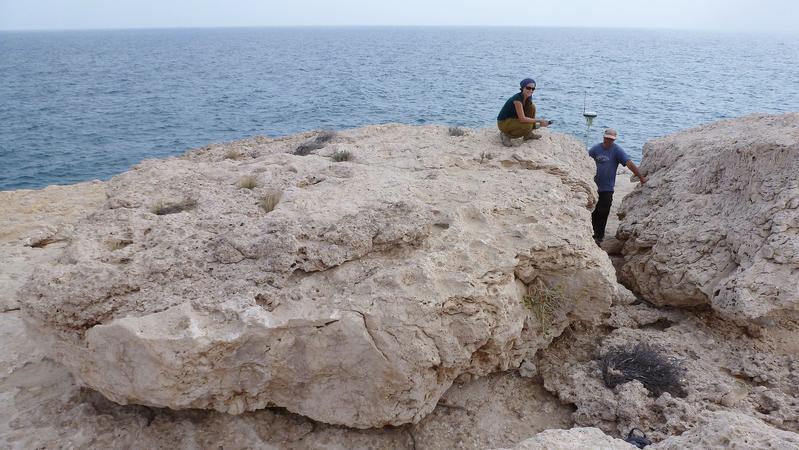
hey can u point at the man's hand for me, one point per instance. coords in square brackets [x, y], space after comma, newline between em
[643, 180]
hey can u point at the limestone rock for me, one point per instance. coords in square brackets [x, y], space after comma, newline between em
[718, 221]
[350, 292]
[42, 406]
[573, 439]
[724, 369]
[33, 229]
[730, 430]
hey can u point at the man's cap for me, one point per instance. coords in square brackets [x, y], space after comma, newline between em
[527, 81]
[610, 133]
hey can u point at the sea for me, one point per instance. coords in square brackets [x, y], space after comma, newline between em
[83, 105]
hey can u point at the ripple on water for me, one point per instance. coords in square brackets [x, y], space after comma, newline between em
[85, 105]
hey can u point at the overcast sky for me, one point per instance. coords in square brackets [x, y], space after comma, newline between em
[735, 15]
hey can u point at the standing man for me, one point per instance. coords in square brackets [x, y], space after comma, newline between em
[608, 155]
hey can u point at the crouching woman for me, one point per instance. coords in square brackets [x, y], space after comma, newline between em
[517, 119]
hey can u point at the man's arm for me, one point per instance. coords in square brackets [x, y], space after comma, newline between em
[631, 165]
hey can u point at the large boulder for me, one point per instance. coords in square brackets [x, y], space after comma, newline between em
[245, 275]
[718, 222]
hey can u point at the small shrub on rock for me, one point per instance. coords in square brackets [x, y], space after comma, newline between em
[457, 131]
[233, 154]
[162, 208]
[544, 302]
[646, 364]
[342, 155]
[269, 201]
[319, 141]
[247, 182]
[486, 156]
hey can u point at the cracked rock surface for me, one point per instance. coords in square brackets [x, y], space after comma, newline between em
[718, 222]
[243, 276]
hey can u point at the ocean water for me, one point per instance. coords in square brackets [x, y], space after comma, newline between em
[82, 105]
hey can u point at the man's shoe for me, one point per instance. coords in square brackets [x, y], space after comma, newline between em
[531, 135]
[505, 140]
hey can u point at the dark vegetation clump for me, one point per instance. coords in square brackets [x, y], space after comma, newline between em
[646, 364]
[342, 155]
[319, 141]
[162, 208]
[457, 131]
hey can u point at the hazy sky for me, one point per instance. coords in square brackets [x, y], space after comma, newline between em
[777, 15]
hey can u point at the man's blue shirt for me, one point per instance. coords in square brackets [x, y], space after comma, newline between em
[607, 159]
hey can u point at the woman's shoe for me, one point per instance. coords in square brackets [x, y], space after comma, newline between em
[531, 135]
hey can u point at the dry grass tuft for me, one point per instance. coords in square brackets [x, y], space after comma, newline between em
[247, 182]
[269, 201]
[486, 156]
[544, 302]
[457, 131]
[233, 154]
[119, 244]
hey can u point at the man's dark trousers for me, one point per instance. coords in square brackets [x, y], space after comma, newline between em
[599, 218]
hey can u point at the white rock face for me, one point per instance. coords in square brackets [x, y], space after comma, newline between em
[574, 439]
[34, 225]
[718, 221]
[729, 430]
[357, 300]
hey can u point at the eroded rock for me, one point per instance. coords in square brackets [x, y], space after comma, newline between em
[718, 221]
[355, 299]
[725, 430]
[573, 439]
[724, 370]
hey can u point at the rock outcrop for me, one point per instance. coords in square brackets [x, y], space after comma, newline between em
[34, 225]
[727, 430]
[573, 439]
[718, 222]
[243, 276]
[723, 370]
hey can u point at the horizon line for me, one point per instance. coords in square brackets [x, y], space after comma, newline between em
[218, 27]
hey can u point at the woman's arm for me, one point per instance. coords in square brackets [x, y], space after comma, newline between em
[524, 119]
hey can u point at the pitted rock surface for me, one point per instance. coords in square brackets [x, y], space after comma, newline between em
[730, 430]
[358, 300]
[718, 221]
